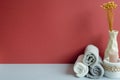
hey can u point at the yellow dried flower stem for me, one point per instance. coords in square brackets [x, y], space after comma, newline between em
[110, 19]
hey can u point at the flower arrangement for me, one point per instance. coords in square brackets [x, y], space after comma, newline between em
[109, 6]
[111, 62]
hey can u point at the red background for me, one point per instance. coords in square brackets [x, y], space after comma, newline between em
[52, 31]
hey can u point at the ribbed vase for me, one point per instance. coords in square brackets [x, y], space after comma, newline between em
[112, 47]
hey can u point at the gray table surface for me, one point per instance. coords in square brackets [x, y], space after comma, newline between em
[40, 72]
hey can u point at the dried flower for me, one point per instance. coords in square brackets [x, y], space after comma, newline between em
[109, 6]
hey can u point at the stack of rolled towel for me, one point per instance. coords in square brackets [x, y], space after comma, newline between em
[89, 64]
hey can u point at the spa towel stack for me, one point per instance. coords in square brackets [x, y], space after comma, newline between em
[93, 61]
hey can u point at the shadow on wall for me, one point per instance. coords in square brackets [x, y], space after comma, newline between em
[85, 32]
[84, 26]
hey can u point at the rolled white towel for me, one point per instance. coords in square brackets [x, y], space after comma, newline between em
[79, 68]
[95, 71]
[91, 56]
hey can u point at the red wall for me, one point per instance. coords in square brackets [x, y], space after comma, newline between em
[51, 31]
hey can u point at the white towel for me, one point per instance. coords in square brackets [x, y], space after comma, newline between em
[91, 56]
[95, 71]
[79, 68]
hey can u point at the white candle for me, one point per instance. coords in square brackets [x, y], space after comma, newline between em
[113, 57]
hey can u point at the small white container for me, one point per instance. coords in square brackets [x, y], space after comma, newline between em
[112, 70]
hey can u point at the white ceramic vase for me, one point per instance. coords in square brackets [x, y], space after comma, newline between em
[112, 46]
